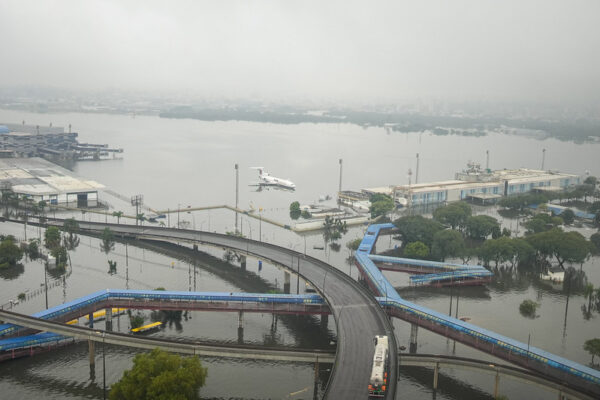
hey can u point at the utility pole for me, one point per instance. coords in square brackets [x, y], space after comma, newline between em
[543, 158]
[417, 171]
[409, 192]
[137, 201]
[487, 160]
[237, 194]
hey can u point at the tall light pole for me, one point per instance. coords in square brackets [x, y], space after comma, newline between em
[260, 224]
[340, 185]
[543, 158]
[237, 194]
[417, 171]
[46, 285]
[103, 370]
[137, 201]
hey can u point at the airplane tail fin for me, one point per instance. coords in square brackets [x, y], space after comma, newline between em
[260, 170]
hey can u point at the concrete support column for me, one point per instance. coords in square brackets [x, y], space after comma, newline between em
[92, 346]
[91, 319]
[243, 262]
[496, 385]
[414, 330]
[435, 376]
[324, 321]
[241, 328]
[286, 282]
[109, 319]
[316, 389]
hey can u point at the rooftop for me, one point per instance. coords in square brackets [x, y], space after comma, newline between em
[37, 176]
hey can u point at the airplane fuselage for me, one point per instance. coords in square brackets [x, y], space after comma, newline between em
[267, 179]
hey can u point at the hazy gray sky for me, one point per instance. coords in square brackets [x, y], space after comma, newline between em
[371, 50]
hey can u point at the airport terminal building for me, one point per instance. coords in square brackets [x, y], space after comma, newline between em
[38, 179]
[481, 185]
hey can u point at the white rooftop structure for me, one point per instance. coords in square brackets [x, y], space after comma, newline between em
[482, 185]
[42, 180]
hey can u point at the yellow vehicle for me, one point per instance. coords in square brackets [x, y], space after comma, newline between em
[147, 328]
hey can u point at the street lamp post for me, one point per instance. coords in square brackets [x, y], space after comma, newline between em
[46, 285]
[304, 245]
[193, 219]
[178, 209]
[260, 225]
[103, 370]
[324, 282]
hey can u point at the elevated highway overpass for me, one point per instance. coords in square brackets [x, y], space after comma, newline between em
[358, 315]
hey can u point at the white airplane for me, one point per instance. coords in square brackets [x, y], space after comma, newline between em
[266, 179]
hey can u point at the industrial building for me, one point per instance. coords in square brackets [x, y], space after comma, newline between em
[482, 185]
[38, 179]
[20, 140]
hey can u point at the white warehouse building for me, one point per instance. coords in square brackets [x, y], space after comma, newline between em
[474, 183]
[38, 179]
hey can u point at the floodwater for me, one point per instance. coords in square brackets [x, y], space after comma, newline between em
[180, 163]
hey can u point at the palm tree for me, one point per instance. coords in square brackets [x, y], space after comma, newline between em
[588, 291]
[41, 207]
[117, 214]
[140, 217]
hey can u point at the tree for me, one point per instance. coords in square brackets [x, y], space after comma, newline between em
[333, 229]
[10, 253]
[497, 250]
[447, 243]
[418, 250]
[454, 214]
[591, 180]
[353, 244]
[592, 346]
[160, 375]
[52, 237]
[568, 216]
[108, 240]
[140, 217]
[528, 307]
[589, 292]
[586, 190]
[42, 206]
[413, 228]
[61, 256]
[295, 211]
[524, 253]
[118, 215]
[594, 208]
[71, 240]
[481, 226]
[33, 249]
[595, 239]
[381, 204]
[569, 247]
[71, 225]
[541, 223]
